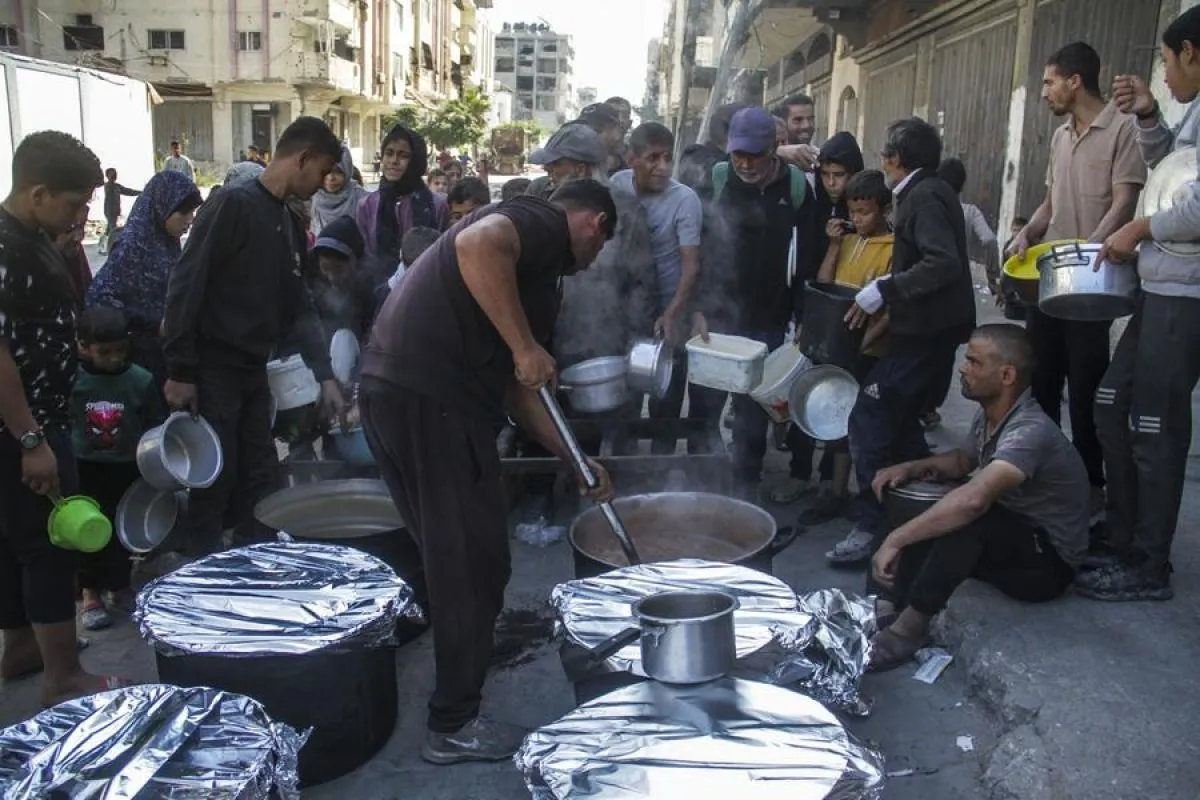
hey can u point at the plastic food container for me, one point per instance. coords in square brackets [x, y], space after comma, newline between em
[729, 363]
[292, 384]
[780, 370]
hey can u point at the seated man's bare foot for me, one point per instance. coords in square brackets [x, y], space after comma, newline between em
[21, 658]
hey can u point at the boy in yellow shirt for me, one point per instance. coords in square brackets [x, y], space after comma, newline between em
[856, 256]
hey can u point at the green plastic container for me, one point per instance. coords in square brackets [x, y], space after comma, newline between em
[76, 523]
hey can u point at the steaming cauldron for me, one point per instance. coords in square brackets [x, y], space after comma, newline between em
[672, 525]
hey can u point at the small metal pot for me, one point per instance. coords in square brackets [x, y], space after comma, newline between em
[1070, 288]
[686, 637]
[182, 453]
[820, 402]
[650, 366]
[596, 385]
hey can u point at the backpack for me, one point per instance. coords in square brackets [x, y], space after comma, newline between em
[799, 183]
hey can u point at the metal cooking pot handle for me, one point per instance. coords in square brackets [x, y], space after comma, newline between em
[782, 540]
[609, 647]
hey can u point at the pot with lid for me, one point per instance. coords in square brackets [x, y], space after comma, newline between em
[1070, 286]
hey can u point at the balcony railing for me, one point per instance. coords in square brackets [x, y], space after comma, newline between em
[338, 12]
[328, 70]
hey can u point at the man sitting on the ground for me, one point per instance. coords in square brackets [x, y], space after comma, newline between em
[1020, 523]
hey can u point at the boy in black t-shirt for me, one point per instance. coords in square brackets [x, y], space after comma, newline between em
[53, 178]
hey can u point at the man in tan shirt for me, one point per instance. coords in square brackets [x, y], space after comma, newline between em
[1092, 184]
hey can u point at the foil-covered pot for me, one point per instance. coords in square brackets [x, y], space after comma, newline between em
[151, 741]
[815, 643]
[278, 598]
[725, 739]
[593, 609]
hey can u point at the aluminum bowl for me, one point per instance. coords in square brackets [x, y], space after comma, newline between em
[145, 517]
[650, 365]
[821, 400]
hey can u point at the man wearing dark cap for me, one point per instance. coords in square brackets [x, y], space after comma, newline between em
[694, 168]
[574, 151]
[459, 346]
[764, 204]
[603, 119]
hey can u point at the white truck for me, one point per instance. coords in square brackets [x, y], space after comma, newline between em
[110, 113]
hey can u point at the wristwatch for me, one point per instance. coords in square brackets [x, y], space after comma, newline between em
[32, 440]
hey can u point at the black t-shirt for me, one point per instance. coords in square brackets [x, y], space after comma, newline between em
[37, 318]
[431, 336]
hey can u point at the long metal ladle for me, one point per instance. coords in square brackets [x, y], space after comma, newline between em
[585, 471]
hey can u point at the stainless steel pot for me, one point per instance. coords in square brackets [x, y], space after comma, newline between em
[650, 367]
[820, 402]
[1070, 288]
[182, 453]
[686, 637]
[904, 503]
[596, 385]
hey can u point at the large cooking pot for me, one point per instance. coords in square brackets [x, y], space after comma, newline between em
[686, 636]
[672, 525]
[596, 385]
[1069, 287]
[902, 504]
[356, 513]
[824, 337]
[650, 364]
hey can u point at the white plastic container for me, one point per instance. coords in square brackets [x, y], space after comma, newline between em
[729, 363]
[292, 384]
[780, 370]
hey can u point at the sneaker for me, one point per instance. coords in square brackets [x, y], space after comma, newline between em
[790, 490]
[481, 739]
[95, 618]
[931, 420]
[1123, 583]
[851, 551]
[829, 506]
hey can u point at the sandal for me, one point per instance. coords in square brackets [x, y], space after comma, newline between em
[790, 491]
[890, 650]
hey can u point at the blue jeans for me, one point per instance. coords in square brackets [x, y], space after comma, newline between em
[885, 425]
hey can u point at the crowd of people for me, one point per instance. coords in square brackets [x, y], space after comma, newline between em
[464, 308]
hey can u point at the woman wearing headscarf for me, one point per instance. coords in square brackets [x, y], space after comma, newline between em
[402, 202]
[339, 197]
[134, 279]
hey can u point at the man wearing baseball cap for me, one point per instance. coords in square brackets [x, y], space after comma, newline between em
[574, 151]
[764, 203]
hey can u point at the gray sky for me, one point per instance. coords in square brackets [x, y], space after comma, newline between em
[610, 38]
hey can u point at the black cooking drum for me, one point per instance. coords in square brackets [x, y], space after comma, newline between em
[305, 629]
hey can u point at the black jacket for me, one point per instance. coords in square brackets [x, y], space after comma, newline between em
[930, 295]
[238, 289]
[750, 289]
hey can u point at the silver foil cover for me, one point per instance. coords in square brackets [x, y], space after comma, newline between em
[715, 741]
[151, 741]
[827, 660]
[277, 598]
[593, 609]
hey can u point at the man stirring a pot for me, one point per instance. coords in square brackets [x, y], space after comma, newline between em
[1019, 524]
[457, 347]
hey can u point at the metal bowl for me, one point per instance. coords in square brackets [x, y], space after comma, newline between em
[821, 400]
[1168, 183]
[329, 510]
[182, 453]
[145, 517]
[650, 365]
